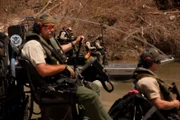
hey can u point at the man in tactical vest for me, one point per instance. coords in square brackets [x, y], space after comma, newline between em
[148, 83]
[46, 64]
[94, 48]
[66, 34]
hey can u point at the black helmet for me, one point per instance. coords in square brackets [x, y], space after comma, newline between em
[149, 56]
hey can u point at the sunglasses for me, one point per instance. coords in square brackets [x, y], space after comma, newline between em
[49, 26]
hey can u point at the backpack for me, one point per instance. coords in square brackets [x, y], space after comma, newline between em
[123, 108]
[134, 106]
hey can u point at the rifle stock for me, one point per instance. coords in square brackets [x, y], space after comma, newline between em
[175, 90]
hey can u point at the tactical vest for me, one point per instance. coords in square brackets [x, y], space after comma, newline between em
[92, 44]
[69, 40]
[142, 72]
[48, 47]
[54, 56]
[66, 35]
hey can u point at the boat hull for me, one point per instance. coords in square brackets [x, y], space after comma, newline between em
[120, 71]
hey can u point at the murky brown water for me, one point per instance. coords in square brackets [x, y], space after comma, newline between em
[169, 72]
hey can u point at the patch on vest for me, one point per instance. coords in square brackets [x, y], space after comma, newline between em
[16, 40]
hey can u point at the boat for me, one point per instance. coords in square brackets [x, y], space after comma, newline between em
[120, 71]
[125, 71]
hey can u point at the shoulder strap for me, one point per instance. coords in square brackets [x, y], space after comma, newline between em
[49, 50]
[141, 72]
[57, 46]
[55, 53]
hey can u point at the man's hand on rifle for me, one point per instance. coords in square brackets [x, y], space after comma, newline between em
[175, 90]
[70, 71]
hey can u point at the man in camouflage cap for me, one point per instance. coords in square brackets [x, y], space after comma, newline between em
[45, 64]
[153, 87]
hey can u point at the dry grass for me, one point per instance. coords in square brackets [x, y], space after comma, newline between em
[129, 23]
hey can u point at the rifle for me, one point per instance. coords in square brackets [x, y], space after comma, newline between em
[172, 114]
[175, 90]
[104, 49]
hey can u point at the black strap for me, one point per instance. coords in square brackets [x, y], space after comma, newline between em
[59, 44]
[77, 54]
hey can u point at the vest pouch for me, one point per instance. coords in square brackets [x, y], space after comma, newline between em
[62, 91]
[66, 85]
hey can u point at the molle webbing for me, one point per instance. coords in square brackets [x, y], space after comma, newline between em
[53, 51]
[33, 36]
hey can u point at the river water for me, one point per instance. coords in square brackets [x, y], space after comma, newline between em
[168, 72]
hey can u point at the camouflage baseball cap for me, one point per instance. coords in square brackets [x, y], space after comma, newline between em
[45, 18]
[155, 54]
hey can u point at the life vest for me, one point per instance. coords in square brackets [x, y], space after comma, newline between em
[142, 72]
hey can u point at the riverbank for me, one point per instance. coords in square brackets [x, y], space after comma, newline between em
[127, 26]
